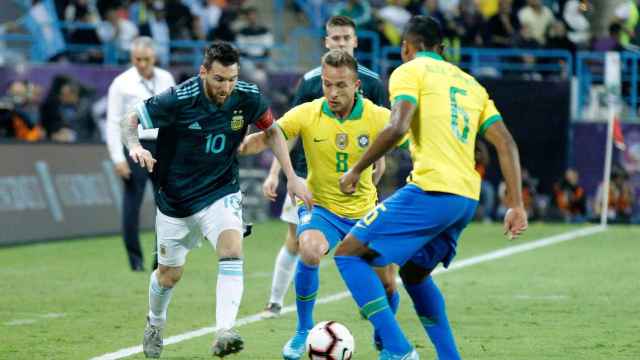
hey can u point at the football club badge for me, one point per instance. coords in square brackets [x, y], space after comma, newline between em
[363, 141]
[342, 140]
[237, 120]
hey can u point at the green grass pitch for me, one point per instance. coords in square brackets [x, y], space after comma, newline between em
[573, 300]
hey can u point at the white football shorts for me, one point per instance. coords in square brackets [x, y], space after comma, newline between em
[177, 236]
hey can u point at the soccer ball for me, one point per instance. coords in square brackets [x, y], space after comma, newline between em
[330, 340]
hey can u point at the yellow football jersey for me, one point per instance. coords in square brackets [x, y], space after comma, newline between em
[453, 108]
[332, 146]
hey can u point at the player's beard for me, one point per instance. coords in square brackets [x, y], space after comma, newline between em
[217, 98]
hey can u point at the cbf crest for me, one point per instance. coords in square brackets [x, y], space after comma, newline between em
[342, 140]
[237, 120]
[363, 140]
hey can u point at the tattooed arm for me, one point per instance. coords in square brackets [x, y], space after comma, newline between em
[129, 131]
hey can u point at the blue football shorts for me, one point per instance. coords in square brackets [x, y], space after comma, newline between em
[334, 227]
[415, 225]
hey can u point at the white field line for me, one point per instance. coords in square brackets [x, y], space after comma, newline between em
[490, 256]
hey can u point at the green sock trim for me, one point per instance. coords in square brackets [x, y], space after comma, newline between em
[426, 322]
[374, 306]
[307, 297]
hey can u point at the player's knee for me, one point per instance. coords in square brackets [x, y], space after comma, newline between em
[168, 277]
[413, 274]
[311, 250]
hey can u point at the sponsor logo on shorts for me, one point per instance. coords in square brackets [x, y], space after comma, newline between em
[163, 250]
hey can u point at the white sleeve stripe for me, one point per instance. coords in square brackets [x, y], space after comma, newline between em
[144, 116]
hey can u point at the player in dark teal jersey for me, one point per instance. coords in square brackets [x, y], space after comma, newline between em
[201, 124]
[341, 34]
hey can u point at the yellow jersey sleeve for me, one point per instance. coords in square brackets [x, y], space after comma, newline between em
[488, 117]
[292, 121]
[404, 84]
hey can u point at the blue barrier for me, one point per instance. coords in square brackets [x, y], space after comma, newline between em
[496, 62]
[590, 72]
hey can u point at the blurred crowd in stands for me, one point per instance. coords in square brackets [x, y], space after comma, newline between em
[70, 112]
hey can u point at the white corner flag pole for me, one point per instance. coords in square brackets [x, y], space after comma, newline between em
[612, 83]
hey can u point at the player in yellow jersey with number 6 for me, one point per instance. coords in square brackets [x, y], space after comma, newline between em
[443, 109]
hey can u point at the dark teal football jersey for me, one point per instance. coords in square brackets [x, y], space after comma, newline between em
[197, 142]
[310, 88]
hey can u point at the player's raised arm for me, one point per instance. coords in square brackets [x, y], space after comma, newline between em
[515, 220]
[401, 115]
[129, 131]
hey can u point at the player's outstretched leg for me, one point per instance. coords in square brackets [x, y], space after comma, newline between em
[228, 296]
[229, 289]
[388, 276]
[159, 298]
[283, 273]
[306, 284]
[430, 307]
[313, 246]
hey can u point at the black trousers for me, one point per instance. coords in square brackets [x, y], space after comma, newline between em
[133, 194]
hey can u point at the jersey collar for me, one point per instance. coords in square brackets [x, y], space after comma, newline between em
[429, 54]
[356, 112]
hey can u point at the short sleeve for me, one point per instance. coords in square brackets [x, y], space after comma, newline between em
[404, 85]
[157, 111]
[488, 117]
[291, 122]
[262, 118]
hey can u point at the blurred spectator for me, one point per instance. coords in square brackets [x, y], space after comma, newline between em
[393, 17]
[254, 42]
[488, 8]
[536, 18]
[227, 25]
[486, 204]
[210, 16]
[18, 120]
[8, 55]
[66, 112]
[532, 204]
[557, 37]
[611, 42]
[627, 15]
[358, 10]
[569, 198]
[469, 24]
[431, 8]
[183, 24]
[140, 13]
[117, 30]
[83, 19]
[150, 17]
[449, 8]
[502, 28]
[42, 22]
[574, 15]
[621, 197]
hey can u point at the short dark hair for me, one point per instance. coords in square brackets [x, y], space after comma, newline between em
[339, 58]
[222, 52]
[424, 30]
[340, 20]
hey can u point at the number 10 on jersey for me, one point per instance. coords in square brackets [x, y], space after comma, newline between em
[215, 144]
